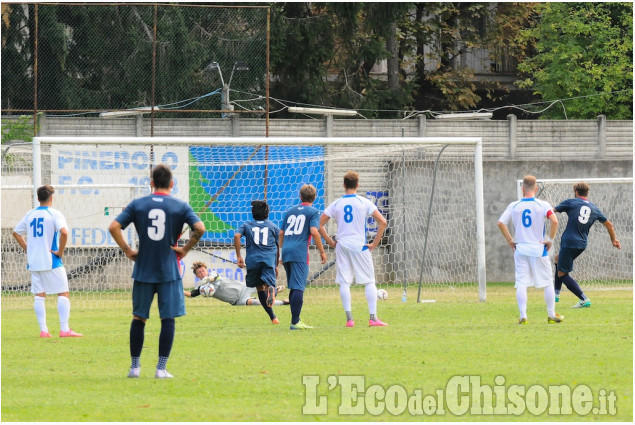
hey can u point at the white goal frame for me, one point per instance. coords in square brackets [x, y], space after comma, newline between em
[476, 142]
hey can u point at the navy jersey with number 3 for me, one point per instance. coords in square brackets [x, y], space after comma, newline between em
[159, 220]
[582, 214]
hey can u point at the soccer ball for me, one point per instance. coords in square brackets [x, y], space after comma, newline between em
[382, 294]
[207, 290]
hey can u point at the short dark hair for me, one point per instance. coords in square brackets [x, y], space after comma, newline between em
[581, 188]
[260, 210]
[351, 180]
[162, 176]
[307, 193]
[45, 192]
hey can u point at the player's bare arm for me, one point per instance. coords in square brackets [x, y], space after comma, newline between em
[280, 242]
[382, 224]
[240, 262]
[323, 220]
[63, 240]
[20, 239]
[508, 237]
[198, 229]
[611, 230]
[115, 231]
[553, 229]
[315, 233]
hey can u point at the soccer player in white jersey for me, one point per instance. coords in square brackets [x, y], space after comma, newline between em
[531, 246]
[47, 233]
[352, 252]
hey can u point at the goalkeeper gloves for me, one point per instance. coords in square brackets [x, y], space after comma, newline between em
[195, 292]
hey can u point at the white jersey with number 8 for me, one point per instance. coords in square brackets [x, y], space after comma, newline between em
[351, 213]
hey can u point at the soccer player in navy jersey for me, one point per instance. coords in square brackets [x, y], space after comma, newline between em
[158, 219]
[300, 223]
[582, 214]
[262, 254]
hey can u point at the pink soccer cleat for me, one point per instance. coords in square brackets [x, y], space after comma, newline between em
[350, 323]
[70, 333]
[45, 334]
[376, 323]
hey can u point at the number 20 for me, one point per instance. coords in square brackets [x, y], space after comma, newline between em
[296, 225]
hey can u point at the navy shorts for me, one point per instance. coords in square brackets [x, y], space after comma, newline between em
[260, 274]
[566, 257]
[297, 272]
[170, 299]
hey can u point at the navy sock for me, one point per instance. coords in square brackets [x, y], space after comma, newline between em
[572, 285]
[262, 296]
[137, 331]
[557, 282]
[166, 337]
[296, 298]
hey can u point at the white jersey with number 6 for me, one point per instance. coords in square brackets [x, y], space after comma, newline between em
[351, 213]
[528, 217]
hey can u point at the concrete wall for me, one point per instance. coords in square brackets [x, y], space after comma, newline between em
[512, 148]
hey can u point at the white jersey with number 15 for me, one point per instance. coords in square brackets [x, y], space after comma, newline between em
[351, 213]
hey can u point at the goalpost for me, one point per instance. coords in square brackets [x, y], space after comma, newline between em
[601, 265]
[430, 190]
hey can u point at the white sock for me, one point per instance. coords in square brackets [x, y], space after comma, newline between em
[40, 312]
[521, 297]
[550, 300]
[345, 294]
[371, 297]
[64, 310]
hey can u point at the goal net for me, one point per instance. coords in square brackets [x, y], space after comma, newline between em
[429, 189]
[601, 265]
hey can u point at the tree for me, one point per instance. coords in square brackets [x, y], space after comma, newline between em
[582, 49]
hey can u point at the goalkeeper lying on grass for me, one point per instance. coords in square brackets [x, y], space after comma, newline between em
[224, 289]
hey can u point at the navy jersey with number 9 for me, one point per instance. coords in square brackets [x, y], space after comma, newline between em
[582, 214]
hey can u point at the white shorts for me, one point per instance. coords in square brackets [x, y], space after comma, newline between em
[532, 271]
[52, 281]
[353, 264]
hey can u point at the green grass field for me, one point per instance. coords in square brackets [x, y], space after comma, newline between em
[231, 364]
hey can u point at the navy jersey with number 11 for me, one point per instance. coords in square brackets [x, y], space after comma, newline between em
[261, 242]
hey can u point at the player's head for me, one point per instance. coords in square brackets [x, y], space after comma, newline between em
[529, 185]
[44, 193]
[199, 269]
[259, 210]
[581, 189]
[162, 177]
[307, 193]
[351, 180]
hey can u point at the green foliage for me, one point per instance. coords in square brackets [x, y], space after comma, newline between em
[17, 130]
[583, 49]
[231, 364]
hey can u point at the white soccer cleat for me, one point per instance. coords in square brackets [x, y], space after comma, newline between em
[135, 372]
[162, 373]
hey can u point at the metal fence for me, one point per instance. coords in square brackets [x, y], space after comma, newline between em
[163, 60]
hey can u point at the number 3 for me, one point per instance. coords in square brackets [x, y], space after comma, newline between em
[156, 231]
